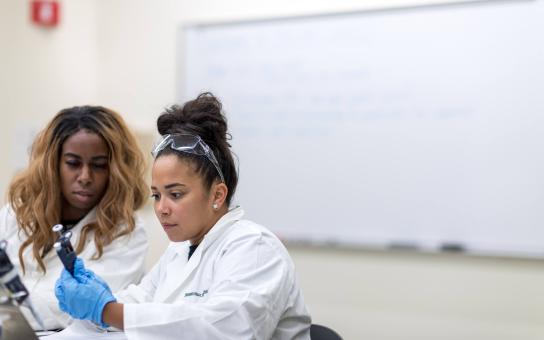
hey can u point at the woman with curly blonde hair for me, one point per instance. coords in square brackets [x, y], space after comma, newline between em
[87, 173]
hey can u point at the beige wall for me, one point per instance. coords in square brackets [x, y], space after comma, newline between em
[41, 72]
[122, 54]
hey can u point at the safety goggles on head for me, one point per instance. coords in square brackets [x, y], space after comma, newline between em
[187, 143]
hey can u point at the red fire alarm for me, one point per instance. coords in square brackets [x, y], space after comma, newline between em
[45, 12]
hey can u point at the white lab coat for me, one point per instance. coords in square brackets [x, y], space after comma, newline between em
[122, 263]
[239, 284]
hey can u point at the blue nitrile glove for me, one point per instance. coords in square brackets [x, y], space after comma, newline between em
[82, 274]
[83, 295]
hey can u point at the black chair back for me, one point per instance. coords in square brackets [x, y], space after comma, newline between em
[318, 332]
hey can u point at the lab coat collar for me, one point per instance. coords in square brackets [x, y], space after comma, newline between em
[221, 226]
[233, 215]
[89, 218]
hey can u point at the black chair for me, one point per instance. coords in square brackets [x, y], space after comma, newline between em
[318, 332]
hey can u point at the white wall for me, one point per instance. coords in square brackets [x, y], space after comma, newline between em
[122, 54]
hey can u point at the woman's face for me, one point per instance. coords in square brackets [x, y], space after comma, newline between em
[182, 204]
[84, 172]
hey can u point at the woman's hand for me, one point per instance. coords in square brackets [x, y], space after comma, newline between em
[83, 295]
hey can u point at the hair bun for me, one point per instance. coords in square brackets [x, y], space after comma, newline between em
[201, 116]
[168, 121]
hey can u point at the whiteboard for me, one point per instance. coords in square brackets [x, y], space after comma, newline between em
[418, 126]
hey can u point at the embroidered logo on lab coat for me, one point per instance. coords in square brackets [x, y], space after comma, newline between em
[204, 292]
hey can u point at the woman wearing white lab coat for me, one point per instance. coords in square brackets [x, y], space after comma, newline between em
[121, 263]
[85, 172]
[222, 277]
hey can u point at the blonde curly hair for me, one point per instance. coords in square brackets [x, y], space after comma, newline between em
[35, 194]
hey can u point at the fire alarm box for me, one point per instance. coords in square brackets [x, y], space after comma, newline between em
[45, 12]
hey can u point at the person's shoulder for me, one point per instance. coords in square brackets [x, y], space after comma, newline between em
[243, 231]
[247, 228]
[139, 222]
[9, 228]
[7, 210]
[8, 219]
[138, 234]
[258, 245]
